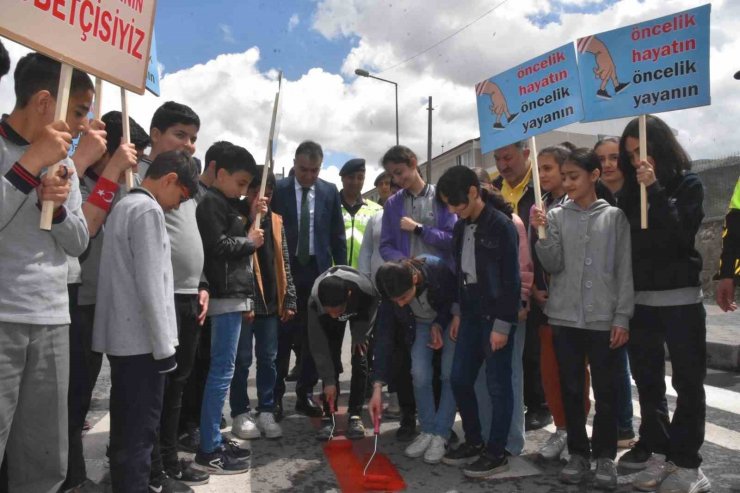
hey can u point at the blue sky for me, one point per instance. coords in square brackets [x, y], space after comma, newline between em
[194, 31]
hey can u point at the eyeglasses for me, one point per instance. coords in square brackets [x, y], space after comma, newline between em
[184, 193]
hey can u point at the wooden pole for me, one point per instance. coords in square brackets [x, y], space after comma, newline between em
[60, 113]
[643, 158]
[268, 155]
[536, 180]
[98, 107]
[126, 135]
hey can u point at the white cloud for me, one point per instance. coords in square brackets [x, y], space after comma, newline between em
[226, 33]
[356, 116]
[293, 22]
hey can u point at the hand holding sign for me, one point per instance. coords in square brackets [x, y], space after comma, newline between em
[49, 147]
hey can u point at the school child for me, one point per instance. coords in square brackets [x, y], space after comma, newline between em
[275, 301]
[607, 149]
[549, 161]
[515, 441]
[668, 309]
[590, 301]
[414, 223]
[416, 312]
[135, 320]
[174, 127]
[228, 244]
[489, 294]
[34, 301]
[340, 295]
[101, 190]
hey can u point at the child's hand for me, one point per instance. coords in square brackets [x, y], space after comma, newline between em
[248, 317]
[330, 393]
[256, 236]
[287, 315]
[538, 217]
[619, 337]
[91, 146]
[498, 340]
[435, 340]
[454, 327]
[50, 146]
[540, 296]
[375, 405]
[124, 158]
[646, 174]
[55, 188]
[408, 224]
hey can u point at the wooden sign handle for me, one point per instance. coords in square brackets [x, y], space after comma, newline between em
[643, 157]
[60, 113]
[98, 105]
[270, 141]
[126, 131]
[541, 232]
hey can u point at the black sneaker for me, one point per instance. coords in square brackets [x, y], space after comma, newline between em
[601, 93]
[189, 441]
[221, 461]
[537, 418]
[463, 455]
[355, 428]
[165, 484]
[512, 117]
[186, 473]
[234, 448]
[407, 431]
[635, 459]
[498, 126]
[325, 432]
[486, 466]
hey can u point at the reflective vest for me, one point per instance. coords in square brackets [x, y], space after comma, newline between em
[354, 228]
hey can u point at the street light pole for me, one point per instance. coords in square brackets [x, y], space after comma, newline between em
[365, 73]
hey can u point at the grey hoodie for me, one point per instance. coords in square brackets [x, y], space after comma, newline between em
[588, 254]
[135, 311]
[363, 307]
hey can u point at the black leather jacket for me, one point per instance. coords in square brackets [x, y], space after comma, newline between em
[227, 249]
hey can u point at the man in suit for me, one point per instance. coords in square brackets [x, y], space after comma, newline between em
[312, 215]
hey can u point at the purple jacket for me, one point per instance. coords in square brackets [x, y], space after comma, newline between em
[395, 244]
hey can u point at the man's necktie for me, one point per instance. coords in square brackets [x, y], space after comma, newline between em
[304, 229]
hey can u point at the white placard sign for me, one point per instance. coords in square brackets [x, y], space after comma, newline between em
[106, 38]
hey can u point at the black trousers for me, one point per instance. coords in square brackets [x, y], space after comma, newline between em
[402, 383]
[164, 454]
[335, 335]
[572, 348]
[192, 396]
[534, 394]
[683, 329]
[84, 368]
[135, 410]
[296, 332]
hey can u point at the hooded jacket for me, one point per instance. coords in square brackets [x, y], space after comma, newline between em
[587, 252]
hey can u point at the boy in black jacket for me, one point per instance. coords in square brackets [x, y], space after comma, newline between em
[228, 244]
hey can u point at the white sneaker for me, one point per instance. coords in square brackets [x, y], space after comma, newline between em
[436, 450]
[418, 446]
[267, 425]
[244, 427]
[554, 446]
[683, 480]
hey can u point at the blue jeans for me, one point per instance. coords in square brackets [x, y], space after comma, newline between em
[225, 331]
[515, 442]
[624, 390]
[264, 330]
[473, 348]
[439, 421]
